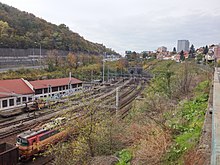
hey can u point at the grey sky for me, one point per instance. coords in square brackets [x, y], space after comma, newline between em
[136, 25]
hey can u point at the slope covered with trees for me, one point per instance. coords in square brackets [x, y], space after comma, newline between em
[24, 30]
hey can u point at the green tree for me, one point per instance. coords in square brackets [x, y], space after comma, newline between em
[145, 55]
[4, 27]
[174, 49]
[192, 51]
[182, 57]
[206, 49]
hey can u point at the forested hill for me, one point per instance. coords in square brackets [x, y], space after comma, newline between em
[20, 29]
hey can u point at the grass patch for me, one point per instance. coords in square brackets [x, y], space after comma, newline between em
[125, 157]
[187, 124]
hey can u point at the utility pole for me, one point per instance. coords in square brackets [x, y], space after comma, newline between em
[108, 73]
[40, 54]
[103, 70]
[117, 100]
[70, 75]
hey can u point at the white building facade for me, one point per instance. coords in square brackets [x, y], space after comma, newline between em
[55, 88]
[14, 94]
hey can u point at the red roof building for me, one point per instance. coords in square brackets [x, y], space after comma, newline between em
[14, 93]
[15, 87]
[56, 87]
[18, 92]
[39, 84]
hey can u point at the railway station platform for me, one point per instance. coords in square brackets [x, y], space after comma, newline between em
[215, 159]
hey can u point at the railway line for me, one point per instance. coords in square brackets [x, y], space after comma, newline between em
[23, 123]
[73, 100]
[128, 92]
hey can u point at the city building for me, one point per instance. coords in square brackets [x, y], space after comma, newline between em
[162, 49]
[15, 93]
[55, 87]
[182, 45]
[217, 52]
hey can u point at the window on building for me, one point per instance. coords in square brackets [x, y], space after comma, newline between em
[74, 85]
[45, 90]
[54, 89]
[18, 101]
[38, 91]
[60, 88]
[29, 98]
[4, 103]
[24, 99]
[11, 102]
[79, 85]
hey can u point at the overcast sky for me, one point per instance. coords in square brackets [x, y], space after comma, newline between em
[135, 25]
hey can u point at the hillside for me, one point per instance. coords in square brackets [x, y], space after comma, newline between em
[19, 29]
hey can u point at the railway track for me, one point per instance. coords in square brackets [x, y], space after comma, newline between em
[20, 125]
[126, 97]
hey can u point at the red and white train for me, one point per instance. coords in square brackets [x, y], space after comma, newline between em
[33, 141]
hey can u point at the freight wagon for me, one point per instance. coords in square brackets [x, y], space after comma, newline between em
[9, 154]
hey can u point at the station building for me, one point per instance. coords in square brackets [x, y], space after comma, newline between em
[15, 93]
[56, 87]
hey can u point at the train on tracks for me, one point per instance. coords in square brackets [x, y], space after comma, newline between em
[34, 141]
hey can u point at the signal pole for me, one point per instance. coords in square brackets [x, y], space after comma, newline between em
[117, 100]
[103, 69]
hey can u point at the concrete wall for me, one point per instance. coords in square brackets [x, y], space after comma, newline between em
[24, 57]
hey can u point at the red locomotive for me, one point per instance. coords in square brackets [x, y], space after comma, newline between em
[33, 141]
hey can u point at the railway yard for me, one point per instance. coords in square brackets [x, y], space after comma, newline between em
[116, 97]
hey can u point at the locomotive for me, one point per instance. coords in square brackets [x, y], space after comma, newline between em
[36, 140]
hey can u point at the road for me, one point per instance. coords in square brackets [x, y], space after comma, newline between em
[215, 160]
[16, 68]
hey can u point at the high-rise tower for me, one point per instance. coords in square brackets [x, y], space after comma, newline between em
[182, 45]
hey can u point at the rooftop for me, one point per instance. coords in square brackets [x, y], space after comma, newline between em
[14, 87]
[39, 84]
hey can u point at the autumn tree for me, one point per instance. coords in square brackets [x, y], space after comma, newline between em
[72, 60]
[185, 77]
[121, 64]
[94, 135]
[53, 60]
